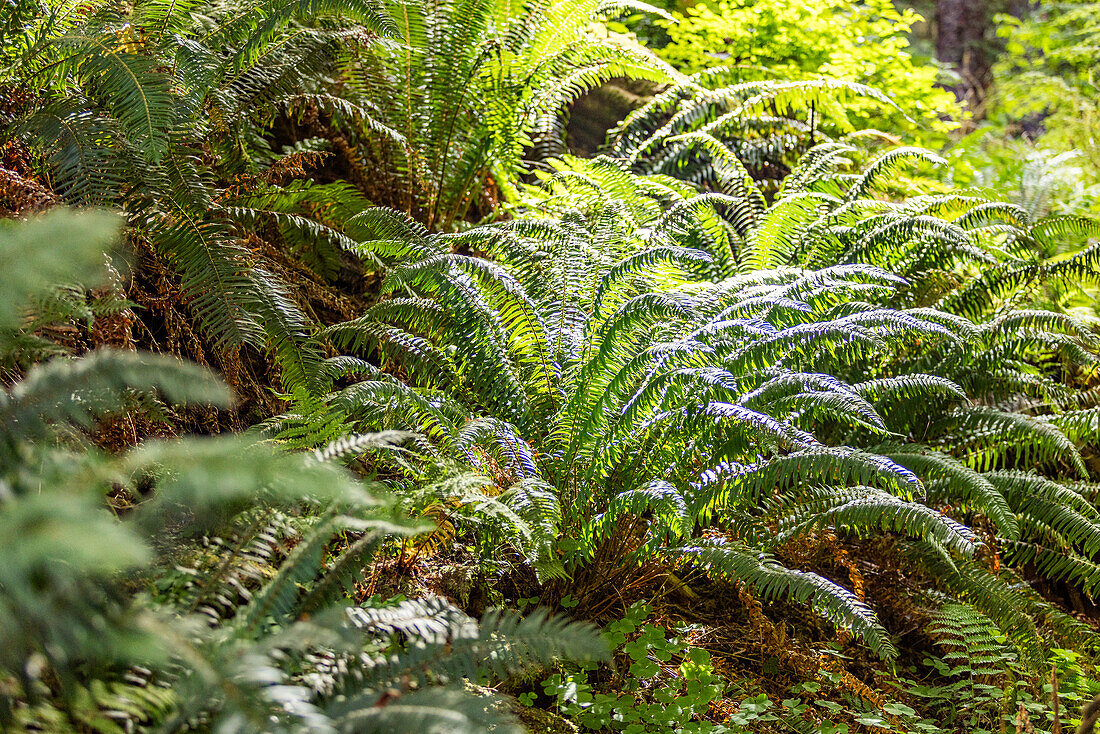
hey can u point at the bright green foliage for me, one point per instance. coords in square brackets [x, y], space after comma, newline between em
[747, 331]
[1038, 143]
[1077, 682]
[974, 684]
[469, 84]
[177, 97]
[1049, 68]
[257, 636]
[864, 42]
[763, 126]
[978, 685]
[666, 683]
[978, 655]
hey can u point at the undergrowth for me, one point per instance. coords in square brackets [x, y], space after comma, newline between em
[810, 433]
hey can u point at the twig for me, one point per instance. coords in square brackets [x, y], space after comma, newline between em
[1057, 728]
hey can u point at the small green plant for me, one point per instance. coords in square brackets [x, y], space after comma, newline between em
[979, 684]
[667, 684]
[662, 682]
[1077, 680]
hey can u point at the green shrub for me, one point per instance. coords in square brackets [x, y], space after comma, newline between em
[865, 42]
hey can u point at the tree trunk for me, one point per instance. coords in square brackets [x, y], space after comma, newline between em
[961, 29]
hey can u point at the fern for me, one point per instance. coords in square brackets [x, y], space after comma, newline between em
[117, 99]
[469, 85]
[94, 386]
[971, 639]
[771, 580]
[615, 363]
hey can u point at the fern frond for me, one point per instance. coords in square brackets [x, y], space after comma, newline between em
[132, 87]
[987, 434]
[727, 482]
[863, 509]
[957, 481]
[884, 165]
[434, 710]
[76, 392]
[772, 581]
[27, 269]
[996, 597]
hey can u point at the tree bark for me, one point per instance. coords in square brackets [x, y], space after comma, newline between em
[961, 30]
